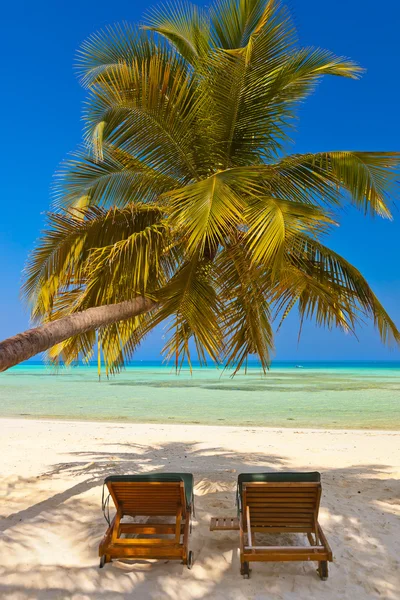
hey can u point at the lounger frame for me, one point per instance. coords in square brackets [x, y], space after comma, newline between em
[290, 507]
[148, 499]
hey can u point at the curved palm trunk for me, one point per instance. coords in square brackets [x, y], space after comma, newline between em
[24, 345]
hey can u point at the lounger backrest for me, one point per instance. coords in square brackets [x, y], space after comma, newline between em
[146, 498]
[280, 505]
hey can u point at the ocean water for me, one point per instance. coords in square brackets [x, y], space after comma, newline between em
[317, 395]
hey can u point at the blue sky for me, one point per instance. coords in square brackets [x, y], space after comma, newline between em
[41, 105]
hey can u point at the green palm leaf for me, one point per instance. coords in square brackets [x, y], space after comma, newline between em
[273, 223]
[190, 304]
[367, 179]
[329, 289]
[116, 180]
[74, 249]
[234, 22]
[207, 211]
[246, 317]
[185, 25]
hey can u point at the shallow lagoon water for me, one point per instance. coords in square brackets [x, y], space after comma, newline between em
[319, 395]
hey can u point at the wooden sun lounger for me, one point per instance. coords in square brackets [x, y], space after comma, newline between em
[156, 495]
[279, 503]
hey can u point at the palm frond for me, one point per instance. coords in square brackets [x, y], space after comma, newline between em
[206, 211]
[185, 25]
[235, 21]
[227, 75]
[62, 258]
[328, 289]
[120, 341]
[253, 93]
[191, 307]
[368, 179]
[78, 347]
[107, 49]
[273, 222]
[245, 318]
[119, 179]
[127, 266]
[148, 109]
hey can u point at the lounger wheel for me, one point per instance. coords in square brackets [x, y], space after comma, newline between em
[190, 560]
[245, 570]
[323, 570]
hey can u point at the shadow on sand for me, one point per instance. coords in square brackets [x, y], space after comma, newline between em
[49, 549]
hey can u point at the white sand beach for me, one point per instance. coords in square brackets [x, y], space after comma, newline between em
[51, 520]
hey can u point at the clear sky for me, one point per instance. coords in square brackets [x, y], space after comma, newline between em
[41, 105]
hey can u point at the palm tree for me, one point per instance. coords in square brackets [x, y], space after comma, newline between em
[182, 205]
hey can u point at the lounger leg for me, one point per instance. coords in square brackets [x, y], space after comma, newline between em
[185, 536]
[311, 539]
[245, 570]
[244, 566]
[323, 570]
[106, 558]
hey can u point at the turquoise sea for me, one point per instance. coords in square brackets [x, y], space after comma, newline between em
[312, 395]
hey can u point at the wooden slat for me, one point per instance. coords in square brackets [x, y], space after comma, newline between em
[281, 497]
[144, 542]
[224, 524]
[151, 499]
[143, 506]
[150, 513]
[283, 524]
[144, 484]
[292, 493]
[281, 484]
[169, 552]
[149, 502]
[278, 510]
[267, 513]
[152, 504]
[147, 497]
[281, 518]
[287, 549]
[281, 490]
[283, 507]
[149, 490]
[278, 556]
[148, 528]
[141, 509]
[272, 513]
[249, 537]
[284, 501]
[286, 529]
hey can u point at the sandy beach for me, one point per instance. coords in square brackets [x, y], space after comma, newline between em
[51, 520]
